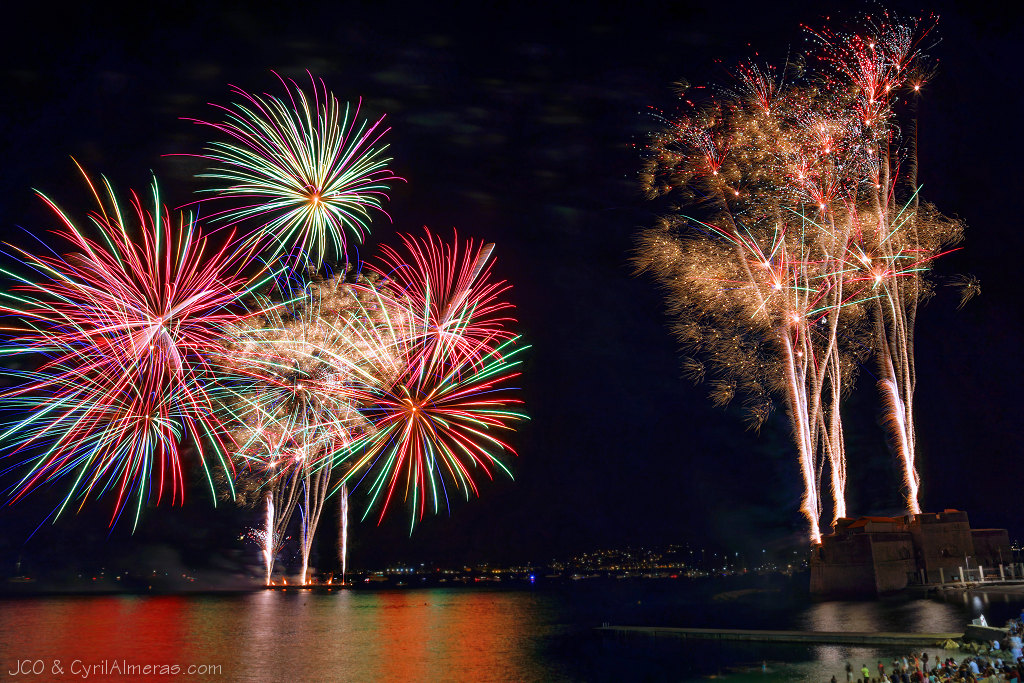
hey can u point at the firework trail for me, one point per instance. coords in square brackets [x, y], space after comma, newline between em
[315, 489]
[764, 310]
[898, 237]
[125, 326]
[269, 548]
[343, 529]
[790, 242]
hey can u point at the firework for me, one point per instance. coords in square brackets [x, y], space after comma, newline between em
[449, 288]
[124, 325]
[288, 374]
[436, 427]
[303, 169]
[270, 546]
[287, 387]
[265, 539]
[899, 237]
[763, 312]
[793, 261]
[399, 375]
[438, 421]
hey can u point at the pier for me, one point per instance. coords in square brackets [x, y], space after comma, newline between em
[809, 637]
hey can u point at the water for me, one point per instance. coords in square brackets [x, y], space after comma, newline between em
[464, 634]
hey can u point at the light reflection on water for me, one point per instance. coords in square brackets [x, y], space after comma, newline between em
[464, 634]
[944, 613]
[413, 635]
[922, 616]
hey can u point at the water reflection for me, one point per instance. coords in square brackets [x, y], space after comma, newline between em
[874, 616]
[412, 635]
[86, 628]
[465, 634]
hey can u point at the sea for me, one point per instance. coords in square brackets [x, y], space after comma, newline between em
[518, 632]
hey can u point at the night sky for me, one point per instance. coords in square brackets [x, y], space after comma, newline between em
[521, 127]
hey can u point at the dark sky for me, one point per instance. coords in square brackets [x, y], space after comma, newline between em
[519, 127]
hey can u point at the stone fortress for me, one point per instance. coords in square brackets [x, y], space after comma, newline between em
[876, 555]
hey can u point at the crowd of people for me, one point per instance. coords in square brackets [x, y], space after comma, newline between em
[996, 663]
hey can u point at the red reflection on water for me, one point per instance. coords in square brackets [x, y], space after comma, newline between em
[97, 631]
[403, 626]
[403, 635]
[430, 635]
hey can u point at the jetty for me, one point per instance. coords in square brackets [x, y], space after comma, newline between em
[809, 637]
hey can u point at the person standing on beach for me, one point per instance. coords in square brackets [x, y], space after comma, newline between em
[865, 672]
[881, 670]
[849, 673]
